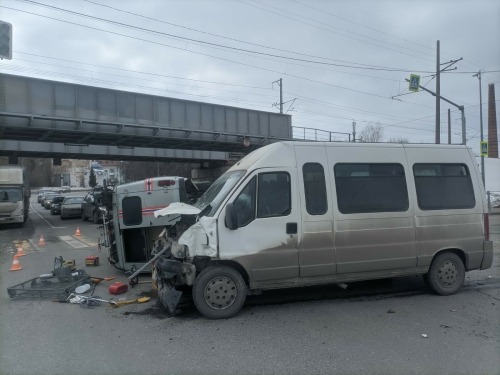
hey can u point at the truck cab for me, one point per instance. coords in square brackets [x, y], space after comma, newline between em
[14, 195]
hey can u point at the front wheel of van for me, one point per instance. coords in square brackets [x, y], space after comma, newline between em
[219, 292]
[447, 274]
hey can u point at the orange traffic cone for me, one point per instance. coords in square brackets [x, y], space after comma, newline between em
[78, 232]
[20, 251]
[15, 265]
[42, 241]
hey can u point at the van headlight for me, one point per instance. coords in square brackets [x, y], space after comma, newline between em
[17, 212]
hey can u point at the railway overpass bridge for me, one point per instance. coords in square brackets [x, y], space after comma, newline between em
[55, 119]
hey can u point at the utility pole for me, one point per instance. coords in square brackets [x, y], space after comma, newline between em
[438, 94]
[280, 83]
[478, 75]
[449, 126]
[353, 131]
[460, 107]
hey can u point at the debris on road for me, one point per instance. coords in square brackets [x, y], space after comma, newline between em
[139, 300]
[424, 335]
[445, 326]
[92, 260]
[118, 288]
[453, 310]
[390, 311]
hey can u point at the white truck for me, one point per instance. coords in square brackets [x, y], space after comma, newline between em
[14, 195]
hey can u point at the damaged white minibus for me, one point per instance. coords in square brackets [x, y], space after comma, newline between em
[307, 213]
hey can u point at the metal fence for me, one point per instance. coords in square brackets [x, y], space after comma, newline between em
[493, 198]
[320, 135]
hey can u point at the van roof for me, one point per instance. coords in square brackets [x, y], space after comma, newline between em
[283, 155]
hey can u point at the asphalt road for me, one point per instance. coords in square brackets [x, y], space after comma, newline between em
[319, 330]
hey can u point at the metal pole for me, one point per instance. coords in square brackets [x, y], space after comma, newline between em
[281, 95]
[353, 131]
[464, 139]
[489, 201]
[478, 75]
[449, 126]
[438, 96]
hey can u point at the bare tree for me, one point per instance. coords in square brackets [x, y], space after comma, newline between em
[372, 133]
[399, 139]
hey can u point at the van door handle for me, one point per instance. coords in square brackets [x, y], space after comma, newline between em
[291, 228]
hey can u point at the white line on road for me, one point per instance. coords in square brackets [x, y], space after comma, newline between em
[41, 217]
[73, 242]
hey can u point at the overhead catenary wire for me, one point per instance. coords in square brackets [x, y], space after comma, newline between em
[345, 65]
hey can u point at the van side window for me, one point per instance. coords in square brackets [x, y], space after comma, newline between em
[132, 210]
[443, 186]
[366, 188]
[274, 198]
[245, 204]
[315, 188]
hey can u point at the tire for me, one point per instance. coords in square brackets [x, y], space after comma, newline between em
[446, 274]
[84, 218]
[62, 217]
[95, 217]
[228, 282]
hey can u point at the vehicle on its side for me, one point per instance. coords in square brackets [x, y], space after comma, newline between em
[41, 194]
[71, 207]
[297, 214]
[45, 196]
[55, 207]
[15, 195]
[48, 201]
[91, 207]
[130, 229]
[64, 189]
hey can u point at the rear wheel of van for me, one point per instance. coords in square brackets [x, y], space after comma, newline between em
[447, 274]
[219, 292]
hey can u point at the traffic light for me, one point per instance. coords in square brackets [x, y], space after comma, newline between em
[5, 40]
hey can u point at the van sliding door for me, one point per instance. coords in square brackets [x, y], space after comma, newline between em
[317, 252]
[374, 223]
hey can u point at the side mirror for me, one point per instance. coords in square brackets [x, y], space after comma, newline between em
[231, 217]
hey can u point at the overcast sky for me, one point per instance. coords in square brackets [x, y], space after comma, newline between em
[367, 34]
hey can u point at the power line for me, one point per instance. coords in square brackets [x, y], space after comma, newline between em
[198, 53]
[383, 32]
[365, 67]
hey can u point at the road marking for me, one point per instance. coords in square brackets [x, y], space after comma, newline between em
[73, 242]
[25, 244]
[41, 217]
[86, 240]
[34, 245]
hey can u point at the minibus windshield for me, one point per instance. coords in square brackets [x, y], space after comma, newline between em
[218, 191]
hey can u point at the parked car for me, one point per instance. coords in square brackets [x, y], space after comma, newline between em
[55, 207]
[45, 196]
[71, 207]
[64, 189]
[48, 201]
[91, 207]
[41, 193]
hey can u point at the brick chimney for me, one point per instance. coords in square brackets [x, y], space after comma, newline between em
[492, 123]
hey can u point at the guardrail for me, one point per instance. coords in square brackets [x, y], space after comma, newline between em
[493, 198]
[312, 134]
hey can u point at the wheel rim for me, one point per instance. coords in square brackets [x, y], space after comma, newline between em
[220, 293]
[448, 273]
